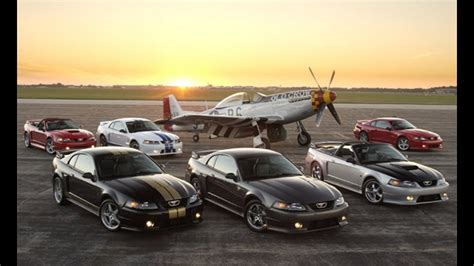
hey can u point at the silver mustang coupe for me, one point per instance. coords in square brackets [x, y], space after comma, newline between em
[378, 171]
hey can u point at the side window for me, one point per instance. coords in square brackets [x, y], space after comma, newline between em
[226, 164]
[73, 160]
[373, 123]
[41, 125]
[383, 124]
[85, 164]
[119, 126]
[346, 152]
[112, 125]
[212, 161]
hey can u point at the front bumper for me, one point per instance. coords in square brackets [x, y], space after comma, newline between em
[284, 221]
[162, 149]
[426, 144]
[137, 220]
[66, 147]
[415, 196]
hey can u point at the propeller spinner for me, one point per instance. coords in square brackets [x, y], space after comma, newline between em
[325, 98]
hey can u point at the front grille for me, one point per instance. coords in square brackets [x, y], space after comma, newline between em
[323, 223]
[427, 198]
[432, 184]
[329, 205]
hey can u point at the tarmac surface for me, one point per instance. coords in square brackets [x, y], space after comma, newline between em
[386, 234]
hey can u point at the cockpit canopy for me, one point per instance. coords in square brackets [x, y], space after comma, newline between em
[235, 99]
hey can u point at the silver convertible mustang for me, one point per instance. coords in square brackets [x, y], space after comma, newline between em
[378, 171]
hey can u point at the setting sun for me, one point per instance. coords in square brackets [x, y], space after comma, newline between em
[182, 83]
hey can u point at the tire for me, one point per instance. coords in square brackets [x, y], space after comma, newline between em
[27, 139]
[314, 171]
[108, 215]
[372, 191]
[403, 144]
[266, 143]
[363, 136]
[134, 144]
[198, 186]
[103, 141]
[58, 191]
[49, 146]
[195, 138]
[252, 210]
[304, 138]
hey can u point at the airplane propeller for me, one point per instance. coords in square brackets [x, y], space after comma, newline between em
[323, 105]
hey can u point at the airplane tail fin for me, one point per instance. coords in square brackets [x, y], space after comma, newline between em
[171, 107]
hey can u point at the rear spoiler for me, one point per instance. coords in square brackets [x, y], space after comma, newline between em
[59, 155]
[199, 154]
[322, 143]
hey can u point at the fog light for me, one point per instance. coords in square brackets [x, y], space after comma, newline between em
[298, 225]
[155, 151]
[149, 224]
[410, 198]
[424, 146]
[444, 195]
[197, 215]
[67, 148]
[343, 218]
[179, 149]
[93, 146]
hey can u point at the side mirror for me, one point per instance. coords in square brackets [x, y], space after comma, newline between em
[388, 128]
[231, 176]
[351, 160]
[122, 131]
[89, 176]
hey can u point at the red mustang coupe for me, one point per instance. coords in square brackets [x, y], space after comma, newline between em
[57, 134]
[398, 132]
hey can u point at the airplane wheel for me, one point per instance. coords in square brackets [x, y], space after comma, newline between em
[195, 138]
[266, 143]
[304, 138]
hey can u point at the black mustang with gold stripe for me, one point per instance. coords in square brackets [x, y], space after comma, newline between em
[125, 188]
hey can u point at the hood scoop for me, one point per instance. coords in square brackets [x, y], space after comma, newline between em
[73, 130]
[407, 167]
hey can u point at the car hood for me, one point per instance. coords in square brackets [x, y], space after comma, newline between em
[72, 133]
[419, 132]
[152, 188]
[155, 135]
[298, 189]
[405, 171]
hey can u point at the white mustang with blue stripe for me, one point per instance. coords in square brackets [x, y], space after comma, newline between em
[138, 133]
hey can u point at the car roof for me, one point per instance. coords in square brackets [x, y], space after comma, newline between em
[55, 119]
[128, 119]
[389, 118]
[107, 150]
[246, 152]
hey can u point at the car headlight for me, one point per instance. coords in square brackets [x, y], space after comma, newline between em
[339, 201]
[63, 140]
[442, 181]
[177, 141]
[141, 205]
[59, 140]
[398, 183]
[419, 138]
[91, 138]
[150, 142]
[289, 206]
[193, 198]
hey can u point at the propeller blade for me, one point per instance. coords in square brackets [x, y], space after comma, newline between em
[334, 113]
[332, 77]
[319, 115]
[315, 78]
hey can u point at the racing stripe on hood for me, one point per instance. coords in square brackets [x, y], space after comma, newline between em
[176, 184]
[163, 136]
[168, 192]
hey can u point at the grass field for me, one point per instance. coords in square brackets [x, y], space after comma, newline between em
[216, 94]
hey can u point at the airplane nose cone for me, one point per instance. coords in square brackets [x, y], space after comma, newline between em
[332, 96]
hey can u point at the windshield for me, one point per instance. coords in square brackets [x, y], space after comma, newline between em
[377, 153]
[141, 125]
[266, 167]
[402, 124]
[61, 124]
[113, 166]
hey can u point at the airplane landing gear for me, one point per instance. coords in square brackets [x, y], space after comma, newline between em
[303, 136]
[196, 137]
[266, 143]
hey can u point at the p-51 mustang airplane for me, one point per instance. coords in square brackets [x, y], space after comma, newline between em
[238, 117]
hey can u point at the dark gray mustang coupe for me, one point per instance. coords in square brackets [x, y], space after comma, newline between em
[125, 188]
[266, 189]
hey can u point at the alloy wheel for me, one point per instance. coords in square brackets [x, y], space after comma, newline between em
[256, 216]
[373, 191]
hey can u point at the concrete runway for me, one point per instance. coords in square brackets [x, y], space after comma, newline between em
[387, 234]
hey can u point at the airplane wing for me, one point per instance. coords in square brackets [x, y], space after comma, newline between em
[220, 120]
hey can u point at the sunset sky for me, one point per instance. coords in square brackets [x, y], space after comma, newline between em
[248, 42]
